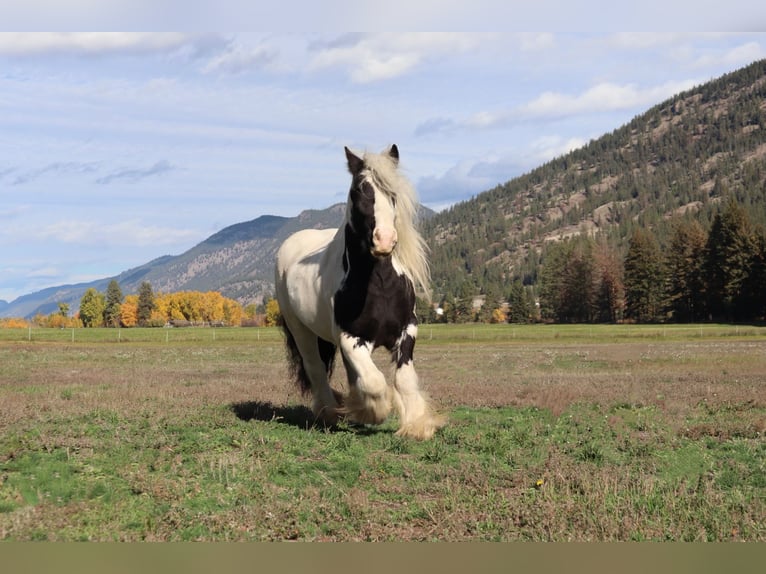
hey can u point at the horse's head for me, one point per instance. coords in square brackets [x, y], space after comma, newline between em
[372, 201]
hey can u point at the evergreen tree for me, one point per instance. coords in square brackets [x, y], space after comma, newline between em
[579, 296]
[551, 280]
[610, 295]
[568, 287]
[145, 304]
[92, 307]
[755, 287]
[731, 252]
[113, 304]
[686, 271]
[519, 308]
[644, 278]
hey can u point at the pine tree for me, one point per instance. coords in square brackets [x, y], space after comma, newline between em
[644, 278]
[568, 286]
[113, 304]
[755, 287]
[519, 309]
[551, 280]
[610, 294]
[686, 271]
[578, 301]
[731, 251]
[145, 304]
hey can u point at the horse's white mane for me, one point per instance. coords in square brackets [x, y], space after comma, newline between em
[411, 253]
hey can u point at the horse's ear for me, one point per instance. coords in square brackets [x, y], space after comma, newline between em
[355, 163]
[393, 153]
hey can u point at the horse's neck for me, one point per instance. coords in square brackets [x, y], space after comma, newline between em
[357, 260]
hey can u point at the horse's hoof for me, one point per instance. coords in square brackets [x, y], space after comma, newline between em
[367, 409]
[422, 428]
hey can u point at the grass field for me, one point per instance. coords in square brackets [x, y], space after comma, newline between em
[555, 433]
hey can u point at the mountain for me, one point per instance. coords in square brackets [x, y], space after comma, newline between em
[680, 157]
[238, 261]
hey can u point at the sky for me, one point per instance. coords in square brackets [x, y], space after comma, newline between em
[117, 148]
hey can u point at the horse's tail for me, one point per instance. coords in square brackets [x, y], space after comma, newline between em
[295, 362]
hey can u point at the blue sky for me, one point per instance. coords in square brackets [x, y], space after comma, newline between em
[119, 148]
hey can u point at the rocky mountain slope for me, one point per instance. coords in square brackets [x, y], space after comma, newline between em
[237, 261]
[680, 157]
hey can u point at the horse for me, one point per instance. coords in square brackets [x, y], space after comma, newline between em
[353, 289]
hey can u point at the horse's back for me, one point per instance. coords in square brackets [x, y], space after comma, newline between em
[302, 244]
[305, 282]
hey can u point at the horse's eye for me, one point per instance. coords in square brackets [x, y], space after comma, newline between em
[367, 190]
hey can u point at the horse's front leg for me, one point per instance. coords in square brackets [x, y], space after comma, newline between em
[418, 419]
[369, 399]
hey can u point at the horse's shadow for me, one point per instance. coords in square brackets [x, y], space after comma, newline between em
[297, 416]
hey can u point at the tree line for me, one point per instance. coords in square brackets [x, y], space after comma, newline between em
[149, 309]
[699, 273]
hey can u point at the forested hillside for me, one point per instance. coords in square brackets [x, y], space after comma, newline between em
[682, 161]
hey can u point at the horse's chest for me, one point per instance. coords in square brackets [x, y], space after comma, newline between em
[376, 308]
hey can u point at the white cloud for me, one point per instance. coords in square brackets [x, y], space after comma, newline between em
[644, 40]
[470, 177]
[44, 272]
[239, 58]
[600, 98]
[371, 58]
[548, 147]
[737, 56]
[604, 96]
[134, 175]
[22, 43]
[535, 42]
[125, 233]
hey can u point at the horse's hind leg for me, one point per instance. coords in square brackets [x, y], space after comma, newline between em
[316, 358]
[418, 419]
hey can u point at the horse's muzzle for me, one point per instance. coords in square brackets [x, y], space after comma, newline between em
[383, 241]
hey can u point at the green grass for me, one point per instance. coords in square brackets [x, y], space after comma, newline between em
[221, 478]
[203, 440]
[142, 335]
[439, 333]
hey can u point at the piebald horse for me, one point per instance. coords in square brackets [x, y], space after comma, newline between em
[353, 289]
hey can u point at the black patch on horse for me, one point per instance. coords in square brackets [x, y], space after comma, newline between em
[375, 303]
[405, 350]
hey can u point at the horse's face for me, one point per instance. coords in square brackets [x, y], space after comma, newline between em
[372, 213]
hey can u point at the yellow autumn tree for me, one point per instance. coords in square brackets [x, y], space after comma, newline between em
[273, 314]
[498, 316]
[232, 312]
[129, 311]
[14, 323]
[197, 307]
